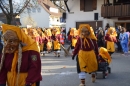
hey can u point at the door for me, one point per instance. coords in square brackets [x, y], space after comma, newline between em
[124, 24]
[128, 26]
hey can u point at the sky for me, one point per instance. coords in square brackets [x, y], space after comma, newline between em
[17, 1]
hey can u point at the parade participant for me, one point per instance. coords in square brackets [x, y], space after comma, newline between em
[68, 36]
[104, 54]
[124, 40]
[106, 29]
[49, 43]
[46, 42]
[20, 60]
[25, 30]
[86, 48]
[56, 41]
[42, 36]
[104, 57]
[62, 36]
[73, 37]
[34, 35]
[110, 40]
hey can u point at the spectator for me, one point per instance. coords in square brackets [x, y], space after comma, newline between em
[119, 49]
[106, 28]
[100, 37]
[124, 40]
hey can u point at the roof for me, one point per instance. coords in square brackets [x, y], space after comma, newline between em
[46, 4]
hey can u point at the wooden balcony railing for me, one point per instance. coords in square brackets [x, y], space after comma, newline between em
[115, 11]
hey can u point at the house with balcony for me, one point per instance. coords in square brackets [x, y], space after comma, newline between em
[97, 13]
[118, 11]
[42, 13]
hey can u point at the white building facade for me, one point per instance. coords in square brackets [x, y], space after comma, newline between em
[41, 14]
[37, 17]
[76, 15]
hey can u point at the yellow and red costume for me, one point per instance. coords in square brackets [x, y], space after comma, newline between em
[25, 30]
[86, 49]
[34, 35]
[56, 39]
[74, 35]
[30, 69]
[111, 39]
[41, 37]
[47, 41]
[104, 54]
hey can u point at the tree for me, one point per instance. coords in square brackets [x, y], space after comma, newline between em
[11, 8]
[60, 4]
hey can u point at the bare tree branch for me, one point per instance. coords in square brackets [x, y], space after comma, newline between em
[6, 6]
[9, 6]
[3, 8]
[22, 9]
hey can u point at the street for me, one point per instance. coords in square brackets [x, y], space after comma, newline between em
[62, 72]
[28, 27]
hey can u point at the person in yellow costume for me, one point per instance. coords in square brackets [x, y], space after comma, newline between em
[32, 32]
[20, 63]
[41, 37]
[46, 41]
[110, 40]
[104, 54]
[104, 57]
[86, 50]
[49, 43]
[25, 30]
[73, 37]
[56, 41]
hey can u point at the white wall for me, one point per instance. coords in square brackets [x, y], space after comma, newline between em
[39, 19]
[0, 11]
[74, 6]
[54, 21]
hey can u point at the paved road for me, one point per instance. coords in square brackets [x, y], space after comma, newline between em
[62, 72]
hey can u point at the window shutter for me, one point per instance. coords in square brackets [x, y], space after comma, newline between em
[82, 5]
[94, 4]
[88, 5]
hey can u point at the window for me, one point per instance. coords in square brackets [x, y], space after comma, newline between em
[38, 10]
[34, 10]
[88, 5]
[28, 10]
